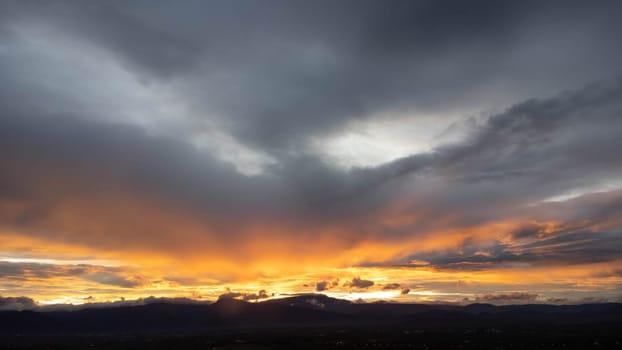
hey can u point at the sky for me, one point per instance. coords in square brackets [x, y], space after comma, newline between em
[412, 151]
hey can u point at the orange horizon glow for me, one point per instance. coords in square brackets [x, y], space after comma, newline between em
[109, 276]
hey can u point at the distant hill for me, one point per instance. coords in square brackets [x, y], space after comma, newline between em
[301, 311]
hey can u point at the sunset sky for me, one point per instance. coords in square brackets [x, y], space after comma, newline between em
[413, 151]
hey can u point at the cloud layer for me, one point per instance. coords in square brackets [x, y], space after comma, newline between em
[219, 143]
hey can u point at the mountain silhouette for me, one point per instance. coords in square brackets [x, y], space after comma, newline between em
[300, 311]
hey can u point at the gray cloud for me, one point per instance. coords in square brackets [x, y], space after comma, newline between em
[113, 279]
[86, 153]
[557, 300]
[357, 282]
[515, 159]
[230, 295]
[262, 294]
[509, 297]
[27, 272]
[391, 286]
[17, 303]
[12, 270]
[325, 285]
[269, 64]
[91, 303]
[268, 76]
[580, 240]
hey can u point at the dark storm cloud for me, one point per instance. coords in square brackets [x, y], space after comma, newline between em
[540, 146]
[581, 239]
[281, 71]
[150, 163]
[56, 156]
[566, 249]
[277, 73]
[529, 231]
[534, 150]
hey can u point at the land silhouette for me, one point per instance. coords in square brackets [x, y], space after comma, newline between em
[315, 321]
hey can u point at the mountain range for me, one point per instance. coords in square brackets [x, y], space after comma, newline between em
[305, 311]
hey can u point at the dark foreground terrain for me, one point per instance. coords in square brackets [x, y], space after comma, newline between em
[316, 322]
